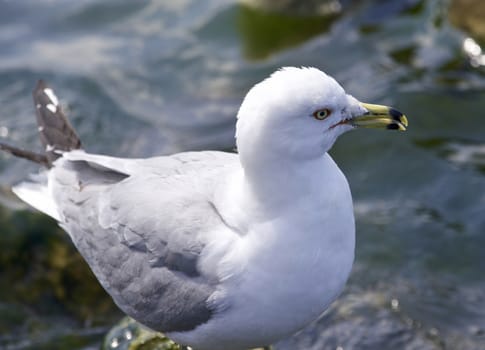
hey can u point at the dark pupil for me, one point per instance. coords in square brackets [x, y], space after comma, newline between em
[322, 113]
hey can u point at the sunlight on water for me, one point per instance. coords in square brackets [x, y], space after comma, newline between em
[474, 52]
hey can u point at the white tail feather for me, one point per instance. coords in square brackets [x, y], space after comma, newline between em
[38, 196]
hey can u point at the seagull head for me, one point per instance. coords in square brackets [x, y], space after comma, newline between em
[299, 113]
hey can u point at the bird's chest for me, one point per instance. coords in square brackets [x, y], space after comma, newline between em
[312, 264]
[294, 272]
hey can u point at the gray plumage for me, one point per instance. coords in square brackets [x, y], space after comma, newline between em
[128, 218]
[134, 254]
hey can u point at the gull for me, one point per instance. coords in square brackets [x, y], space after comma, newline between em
[217, 250]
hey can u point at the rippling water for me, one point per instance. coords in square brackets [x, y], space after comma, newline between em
[154, 77]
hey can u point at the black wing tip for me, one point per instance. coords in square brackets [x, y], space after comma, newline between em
[40, 86]
[56, 132]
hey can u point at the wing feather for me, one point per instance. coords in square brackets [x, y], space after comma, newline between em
[142, 226]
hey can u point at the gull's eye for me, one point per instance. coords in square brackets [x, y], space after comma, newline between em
[321, 114]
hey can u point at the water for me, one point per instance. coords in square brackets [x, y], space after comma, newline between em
[155, 77]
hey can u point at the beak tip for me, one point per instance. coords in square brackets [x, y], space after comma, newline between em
[396, 126]
[400, 124]
[398, 117]
[404, 120]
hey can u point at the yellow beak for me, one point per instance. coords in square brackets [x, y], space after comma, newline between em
[380, 117]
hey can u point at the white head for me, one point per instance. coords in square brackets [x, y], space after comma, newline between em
[298, 113]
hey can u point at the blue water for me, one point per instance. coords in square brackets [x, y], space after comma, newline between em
[155, 77]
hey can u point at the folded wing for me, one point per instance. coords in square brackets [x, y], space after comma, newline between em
[142, 226]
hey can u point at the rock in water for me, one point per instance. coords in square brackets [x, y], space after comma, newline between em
[130, 335]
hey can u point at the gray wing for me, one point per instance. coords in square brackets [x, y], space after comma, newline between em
[142, 230]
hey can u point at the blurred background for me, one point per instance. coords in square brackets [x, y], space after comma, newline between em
[143, 78]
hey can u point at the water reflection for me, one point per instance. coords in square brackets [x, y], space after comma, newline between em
[265, 33]
[296, 7]
[462, 153]
[468, 15]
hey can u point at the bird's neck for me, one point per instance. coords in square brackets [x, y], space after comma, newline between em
[283, 180]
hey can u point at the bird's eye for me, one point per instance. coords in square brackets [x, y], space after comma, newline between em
[321, 114]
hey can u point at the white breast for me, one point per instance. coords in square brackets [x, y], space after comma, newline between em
[285, 272]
